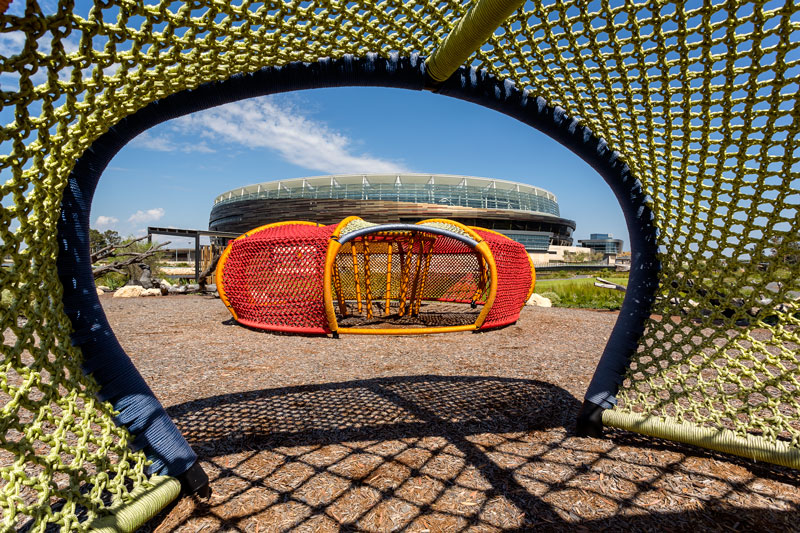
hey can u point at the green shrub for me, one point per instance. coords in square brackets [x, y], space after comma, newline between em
[112, 280]
[554, 298]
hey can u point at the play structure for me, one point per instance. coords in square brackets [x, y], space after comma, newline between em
[305, 278]
[689, 114]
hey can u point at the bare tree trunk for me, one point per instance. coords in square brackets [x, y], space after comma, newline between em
[212, 266]
[132, 257]
[109, 250]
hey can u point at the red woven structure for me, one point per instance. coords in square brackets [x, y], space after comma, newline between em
[514, 281]
[276, 277]
[271, 277]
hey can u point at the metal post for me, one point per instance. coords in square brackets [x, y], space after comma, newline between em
[197, 258]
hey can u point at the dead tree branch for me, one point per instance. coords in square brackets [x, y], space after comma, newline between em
[109, 250]
[134, 258]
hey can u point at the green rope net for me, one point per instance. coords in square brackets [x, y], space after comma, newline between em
[700, 102]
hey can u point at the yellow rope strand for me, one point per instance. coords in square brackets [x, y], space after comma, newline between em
[367, 277]
[405, 275]
[388, 278]
[357, 281]
[424, 275]
[337, 285]
[412, 303]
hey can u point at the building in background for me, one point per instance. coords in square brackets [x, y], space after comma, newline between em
[603, 243]
[529, 215]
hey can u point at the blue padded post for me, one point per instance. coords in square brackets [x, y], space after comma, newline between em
[104, 358]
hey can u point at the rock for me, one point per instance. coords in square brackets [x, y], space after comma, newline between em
[105, 288]
[129, 291]
[165, 286]
[539, 301]
[146, 278]
[100, 291]
[134, 291]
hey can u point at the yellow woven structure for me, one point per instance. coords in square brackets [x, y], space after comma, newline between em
[700, 102]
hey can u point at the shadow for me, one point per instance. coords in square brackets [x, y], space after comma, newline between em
[443, 453]
[395, 407]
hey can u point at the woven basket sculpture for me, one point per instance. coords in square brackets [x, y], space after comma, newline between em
[690, 114]
[286, 276]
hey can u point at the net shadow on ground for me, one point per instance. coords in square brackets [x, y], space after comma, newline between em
[438, 453]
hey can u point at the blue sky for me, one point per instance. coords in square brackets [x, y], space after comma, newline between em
[169, 175]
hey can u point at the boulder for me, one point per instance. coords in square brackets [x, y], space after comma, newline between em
[135, 291]
[538, 300]
[129, 291]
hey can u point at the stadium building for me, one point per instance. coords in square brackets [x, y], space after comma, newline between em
[527, 214]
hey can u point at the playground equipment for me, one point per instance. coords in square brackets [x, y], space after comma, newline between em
[690, 114]
[299, 276]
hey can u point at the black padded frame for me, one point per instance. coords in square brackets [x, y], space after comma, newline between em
[121, 383]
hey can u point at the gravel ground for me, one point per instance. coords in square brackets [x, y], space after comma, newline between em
[433, 433]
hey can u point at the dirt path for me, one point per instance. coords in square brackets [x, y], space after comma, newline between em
[439, 433]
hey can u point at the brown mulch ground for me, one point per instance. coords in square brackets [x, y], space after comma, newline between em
[432, 433]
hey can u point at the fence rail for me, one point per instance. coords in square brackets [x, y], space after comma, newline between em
[572, 266]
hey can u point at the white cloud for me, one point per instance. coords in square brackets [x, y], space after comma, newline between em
[103, 221]
[12, 43]
[164, 143]
[151, 215]
[298, 139]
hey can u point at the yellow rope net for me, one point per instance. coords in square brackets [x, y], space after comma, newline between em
[700, 102]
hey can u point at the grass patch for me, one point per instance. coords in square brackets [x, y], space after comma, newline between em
[566, 274]
[581, 293]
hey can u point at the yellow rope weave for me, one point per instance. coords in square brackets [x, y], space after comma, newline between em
[701, 103]
[703, 106]
[367, 277]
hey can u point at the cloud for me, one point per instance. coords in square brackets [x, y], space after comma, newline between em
[267, 123]
[164, 143]
[151, 215]
[103, 221]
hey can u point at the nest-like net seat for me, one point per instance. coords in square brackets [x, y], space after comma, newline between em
[690, 114]
[359, 277]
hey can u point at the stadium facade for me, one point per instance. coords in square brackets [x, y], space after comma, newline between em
[527, 214]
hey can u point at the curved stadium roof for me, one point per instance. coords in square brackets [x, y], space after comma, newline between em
[442, 189]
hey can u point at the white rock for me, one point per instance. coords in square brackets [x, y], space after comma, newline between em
[129, 291]
[539, 301]
[104, 288]
[152, 292]
[100, 291]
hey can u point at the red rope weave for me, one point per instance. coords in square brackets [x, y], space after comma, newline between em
[273, 278]
[513, 279]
